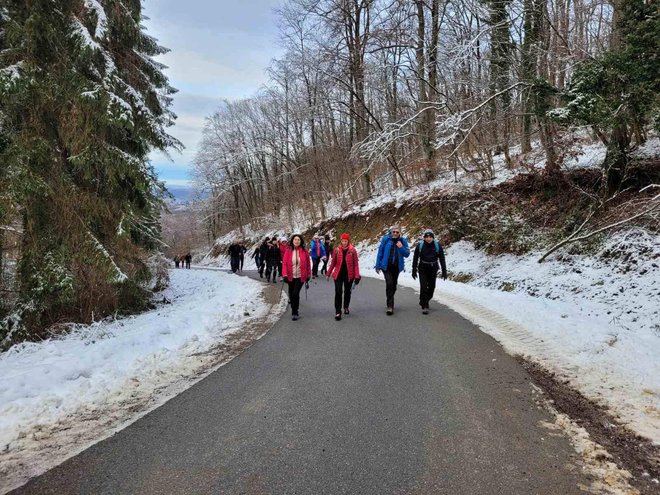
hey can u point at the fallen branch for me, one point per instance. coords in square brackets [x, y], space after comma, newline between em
[574, 236]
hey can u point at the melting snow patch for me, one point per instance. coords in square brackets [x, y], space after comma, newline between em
[64, 388]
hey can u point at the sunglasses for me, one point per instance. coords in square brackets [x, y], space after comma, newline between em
[395, 231]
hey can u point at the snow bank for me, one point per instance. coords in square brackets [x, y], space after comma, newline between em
[593, 319]
[99, 368]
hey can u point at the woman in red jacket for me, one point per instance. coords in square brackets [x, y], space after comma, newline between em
[296, 270]
[344, 269]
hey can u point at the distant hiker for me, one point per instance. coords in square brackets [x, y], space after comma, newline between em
[177, 260]
[425, 262]
[344, 269]
[327, 245]
[188, 260]
[263, 254]
[241, 255]
[296, 271]
[256, 256]
[283, 245]
[235, 256]
[317, 250]
[273, 258]
[391, 253]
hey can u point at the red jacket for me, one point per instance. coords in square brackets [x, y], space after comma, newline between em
[283, 248]
[305, 265]
[351, 263]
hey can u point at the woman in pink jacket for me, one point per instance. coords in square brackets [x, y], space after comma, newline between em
[296, 270]
[344, 269]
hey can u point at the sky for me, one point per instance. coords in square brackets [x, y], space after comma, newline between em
[220, 49]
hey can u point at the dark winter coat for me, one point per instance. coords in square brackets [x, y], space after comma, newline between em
[426, 253]
[235, 251]
[273, 256]
[263, 250]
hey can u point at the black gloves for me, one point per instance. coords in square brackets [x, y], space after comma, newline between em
[444, 275]
[357, 281]
[414, 275]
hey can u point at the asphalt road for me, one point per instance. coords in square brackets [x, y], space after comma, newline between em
[404, 404]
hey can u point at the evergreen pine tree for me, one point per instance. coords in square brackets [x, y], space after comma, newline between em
[83, 104]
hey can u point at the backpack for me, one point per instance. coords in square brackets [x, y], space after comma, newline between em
[437, 246]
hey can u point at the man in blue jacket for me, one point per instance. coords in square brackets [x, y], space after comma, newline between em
[317, 251]
[393, 248]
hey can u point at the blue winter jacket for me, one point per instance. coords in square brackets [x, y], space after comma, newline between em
[312, 250]
[386, 245]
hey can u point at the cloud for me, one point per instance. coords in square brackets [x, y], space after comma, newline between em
[219, 50]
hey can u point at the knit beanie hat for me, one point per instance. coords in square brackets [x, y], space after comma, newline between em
[345, 236]
[429, 232]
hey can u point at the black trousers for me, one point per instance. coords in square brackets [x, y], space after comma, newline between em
[279, 268]
[428, 274]
[242, 261]
[324, 268]
[234, 263]
[271, 268]
[391, 279]
[262, 265]
[342, 284]
[294, 294]
[315, 266]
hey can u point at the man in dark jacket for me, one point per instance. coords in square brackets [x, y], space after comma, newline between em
[235, 251]
[425, 263]
[241, 256]
[188, 260]
[273, 259]
[328, 250]
[263, 254]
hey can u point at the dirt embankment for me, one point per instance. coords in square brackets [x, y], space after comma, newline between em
[528, 211]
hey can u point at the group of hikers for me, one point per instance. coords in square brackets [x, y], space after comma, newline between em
[237, 256]
[182, 260]
[296, 265]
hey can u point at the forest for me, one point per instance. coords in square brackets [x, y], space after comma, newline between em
[374, 95]
[368, 96]
[82, 103]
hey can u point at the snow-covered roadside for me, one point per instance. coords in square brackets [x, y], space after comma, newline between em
[607, 345]
[63, 388]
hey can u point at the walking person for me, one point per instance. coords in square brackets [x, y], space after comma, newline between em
[256, 256]
[428, 254]
[263, 254]
[317, 250]
[296, 271]
[328, 249]
[344, 269]
[188, 260]
[241, 256]
[273, 258]
[283, 245]
[177, 260]
[390, 260]
[235, 256]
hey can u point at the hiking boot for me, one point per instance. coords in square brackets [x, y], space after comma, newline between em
[346, 311]
[425, 311]
[338, 316]
[295, 317]
[390, 311]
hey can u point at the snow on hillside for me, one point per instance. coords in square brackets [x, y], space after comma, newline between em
[97, 370]
[593, 319]
[586, 155]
